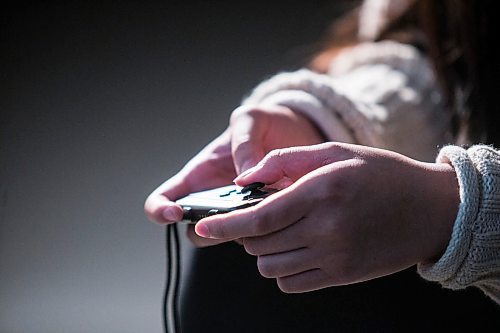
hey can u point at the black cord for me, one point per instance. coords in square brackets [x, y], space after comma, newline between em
[171, 293]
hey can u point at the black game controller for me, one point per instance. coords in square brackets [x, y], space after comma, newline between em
[221, 200]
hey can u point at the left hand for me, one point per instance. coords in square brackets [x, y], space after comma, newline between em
[252, 133]
[352, 213]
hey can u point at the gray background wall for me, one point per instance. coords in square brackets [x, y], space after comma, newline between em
[99, 104]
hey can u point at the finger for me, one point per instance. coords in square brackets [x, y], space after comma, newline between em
[248, 129]
[287, 239]
[272, 214]
[286, 263]
[159, 206]
[293, 163]
[200, 241]
[313, 279]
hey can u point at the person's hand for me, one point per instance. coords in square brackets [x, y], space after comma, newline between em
[212, 167]
[352, 213]
[251, 134]
[255, 131]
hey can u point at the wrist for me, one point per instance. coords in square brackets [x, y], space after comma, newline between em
[445, 201]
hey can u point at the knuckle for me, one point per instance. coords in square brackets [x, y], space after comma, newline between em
[276, 155]
[245, 111]
[258, 223]
[255, 112]
[333, 189]
[237, 113]
[333, 145]
[280, 153]
[243, 145]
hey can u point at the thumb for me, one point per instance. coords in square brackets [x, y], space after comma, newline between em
[248, 128]
[246, 154]
[293, 163]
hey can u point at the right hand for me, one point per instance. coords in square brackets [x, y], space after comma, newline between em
[252, 133]
[257, 131]
[353, 213]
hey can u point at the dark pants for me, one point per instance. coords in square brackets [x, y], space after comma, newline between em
[225, 293]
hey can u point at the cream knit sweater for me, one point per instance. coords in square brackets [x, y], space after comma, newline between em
[378, 94]
[473, 254]
[385, 95]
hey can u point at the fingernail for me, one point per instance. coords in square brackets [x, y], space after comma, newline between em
[169, 215]
[202, 230]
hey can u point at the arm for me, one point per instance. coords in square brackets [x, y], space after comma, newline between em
[281, 112]
[380, 94]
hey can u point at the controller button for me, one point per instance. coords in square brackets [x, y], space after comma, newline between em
[212, 212]
[252, 187]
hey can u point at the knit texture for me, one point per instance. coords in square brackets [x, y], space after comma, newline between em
[377, 94]
[472, 257]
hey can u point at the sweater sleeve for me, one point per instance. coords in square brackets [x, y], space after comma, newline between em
[381, 94]
[472, 257]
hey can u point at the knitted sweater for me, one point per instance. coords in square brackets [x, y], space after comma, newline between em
[380, 94]
[472, 257]
[385, 95]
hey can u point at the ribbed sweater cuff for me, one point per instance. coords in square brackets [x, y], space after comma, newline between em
[446, 268]
[335, 114]
[332, 128]
[473, 254]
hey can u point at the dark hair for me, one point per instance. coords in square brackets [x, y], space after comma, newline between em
[458, 36]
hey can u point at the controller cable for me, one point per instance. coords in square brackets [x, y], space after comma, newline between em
[171, 292]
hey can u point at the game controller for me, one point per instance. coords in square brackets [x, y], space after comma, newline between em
[221, 200]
